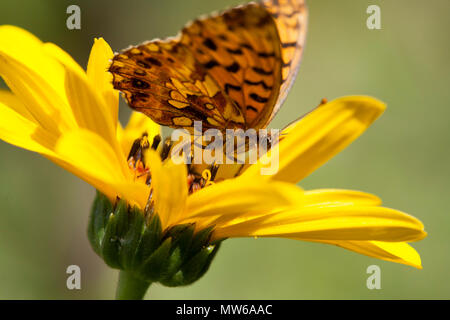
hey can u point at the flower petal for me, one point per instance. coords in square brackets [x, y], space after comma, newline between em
[25, 48]
[46, 106]
[239, 200]
[399, 252]
[338, 197]
[332, 223]
[13, 102]
[91, 154]
[89, 107]
[61, 56]
[137, 125]
[169, 188]
[320, 135]
[91, 158]
[296, 197]
[24, 133]
[97, 71]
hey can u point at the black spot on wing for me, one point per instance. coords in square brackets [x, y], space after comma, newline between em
[266, 54]
[237, 105]
[140, 72]
[139, 84]
[262, 71]
[247, 46]
[233, 87]
[154, 61]
[251, 108]
[234, 67]
[237, 51]
[140, 96]
[211, 64]
[143, 64]
[257, 83]
[258, 98]
[210, 44]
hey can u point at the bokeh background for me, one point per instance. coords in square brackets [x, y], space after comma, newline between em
[404, 157]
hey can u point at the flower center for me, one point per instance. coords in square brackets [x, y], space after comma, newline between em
[137, 163]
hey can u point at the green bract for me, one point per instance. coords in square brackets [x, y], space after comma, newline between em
[127, 240]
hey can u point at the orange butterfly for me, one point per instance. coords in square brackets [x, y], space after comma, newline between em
[231, 70]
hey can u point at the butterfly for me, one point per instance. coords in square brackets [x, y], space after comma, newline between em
[231, 70]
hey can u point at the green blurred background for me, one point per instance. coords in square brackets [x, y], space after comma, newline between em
[404, 157]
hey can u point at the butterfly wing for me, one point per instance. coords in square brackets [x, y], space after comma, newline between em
[241, 51]
[291, 18]
[230, 70]
[163, 80]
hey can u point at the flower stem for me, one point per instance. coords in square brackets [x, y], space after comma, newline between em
[130, 287]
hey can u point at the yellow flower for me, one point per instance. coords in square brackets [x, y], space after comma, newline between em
[70, 117]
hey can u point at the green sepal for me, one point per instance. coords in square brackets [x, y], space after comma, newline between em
[181, 240]
[155, 265]
[200, 239]
[150, 240]
[211, 255]
[199, 264]
[110, 244]
[128, 240]
[101, 209]
[193, 269]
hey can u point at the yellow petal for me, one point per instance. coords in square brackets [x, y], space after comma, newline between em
[12, 101]
[91, 158]
[239, 200]
[97, 71]
[46, 106]
[338, 197]
[134, 193]
[17, 38]
[312, 198]
[332, 223]
[169, 188]
[61, 56]
[140, 123]
[320, 135]
[20, 131]
[90, 152]
[28, 51]
[89, 107]
[399, 252]
[137, 125]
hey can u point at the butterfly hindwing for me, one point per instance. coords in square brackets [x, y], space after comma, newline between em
[164, 81]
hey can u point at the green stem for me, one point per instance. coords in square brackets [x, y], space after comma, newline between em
[130, 288]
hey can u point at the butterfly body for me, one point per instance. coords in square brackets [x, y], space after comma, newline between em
[231, 70]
